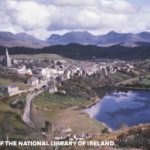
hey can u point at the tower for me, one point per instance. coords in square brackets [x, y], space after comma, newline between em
[8, 60]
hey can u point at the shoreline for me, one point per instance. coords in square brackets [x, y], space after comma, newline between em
[132, 88]
[97, 100]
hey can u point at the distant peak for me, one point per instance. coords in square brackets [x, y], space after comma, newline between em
[3, 32]
[145, 32]
[142, 33]
[22, 33]
[112, 32]
[53, 35]
[79, 32]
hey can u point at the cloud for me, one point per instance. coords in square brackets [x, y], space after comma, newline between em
[90, 14]
[120, 5]
[42, 17]
[29, 14]
[94, 110]
[74, 2]
[122, 96]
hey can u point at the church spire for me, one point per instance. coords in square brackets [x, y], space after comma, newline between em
[8, 60]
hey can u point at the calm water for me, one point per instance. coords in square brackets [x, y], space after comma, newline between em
[122, 108]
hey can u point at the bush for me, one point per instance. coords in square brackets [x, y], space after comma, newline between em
[105, 130]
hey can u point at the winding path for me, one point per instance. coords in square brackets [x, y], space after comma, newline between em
[27, 111]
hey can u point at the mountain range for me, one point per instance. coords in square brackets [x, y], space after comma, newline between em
[111, 38]
[8, 39]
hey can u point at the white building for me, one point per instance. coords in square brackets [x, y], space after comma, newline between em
[9, 90]
[52, 87]
[22, 70]
[33, 81]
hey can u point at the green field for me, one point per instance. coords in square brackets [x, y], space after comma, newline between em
[56, 101]
[41, 57]
[21, 85]
[11, 124]
[145, 81]
[57, 110]
[119, 76]
[5, 81]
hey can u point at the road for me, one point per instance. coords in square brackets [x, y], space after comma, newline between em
[128, 81]
[27, 111]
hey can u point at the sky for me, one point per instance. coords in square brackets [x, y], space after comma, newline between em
[41, 18]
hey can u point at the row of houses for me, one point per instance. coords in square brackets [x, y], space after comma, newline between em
[61, 74]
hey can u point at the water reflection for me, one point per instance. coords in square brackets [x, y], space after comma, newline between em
[122, 108]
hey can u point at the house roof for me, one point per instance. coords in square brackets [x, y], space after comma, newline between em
[8, 86]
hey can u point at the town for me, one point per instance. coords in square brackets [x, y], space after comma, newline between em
[40, 73]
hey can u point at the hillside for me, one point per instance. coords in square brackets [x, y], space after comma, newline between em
[82, 52]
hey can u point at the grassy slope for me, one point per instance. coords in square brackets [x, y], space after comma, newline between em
[56, 101]
[5, 81]
[145, 81]
[10, 120]
[57, 110]
[21, 85]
